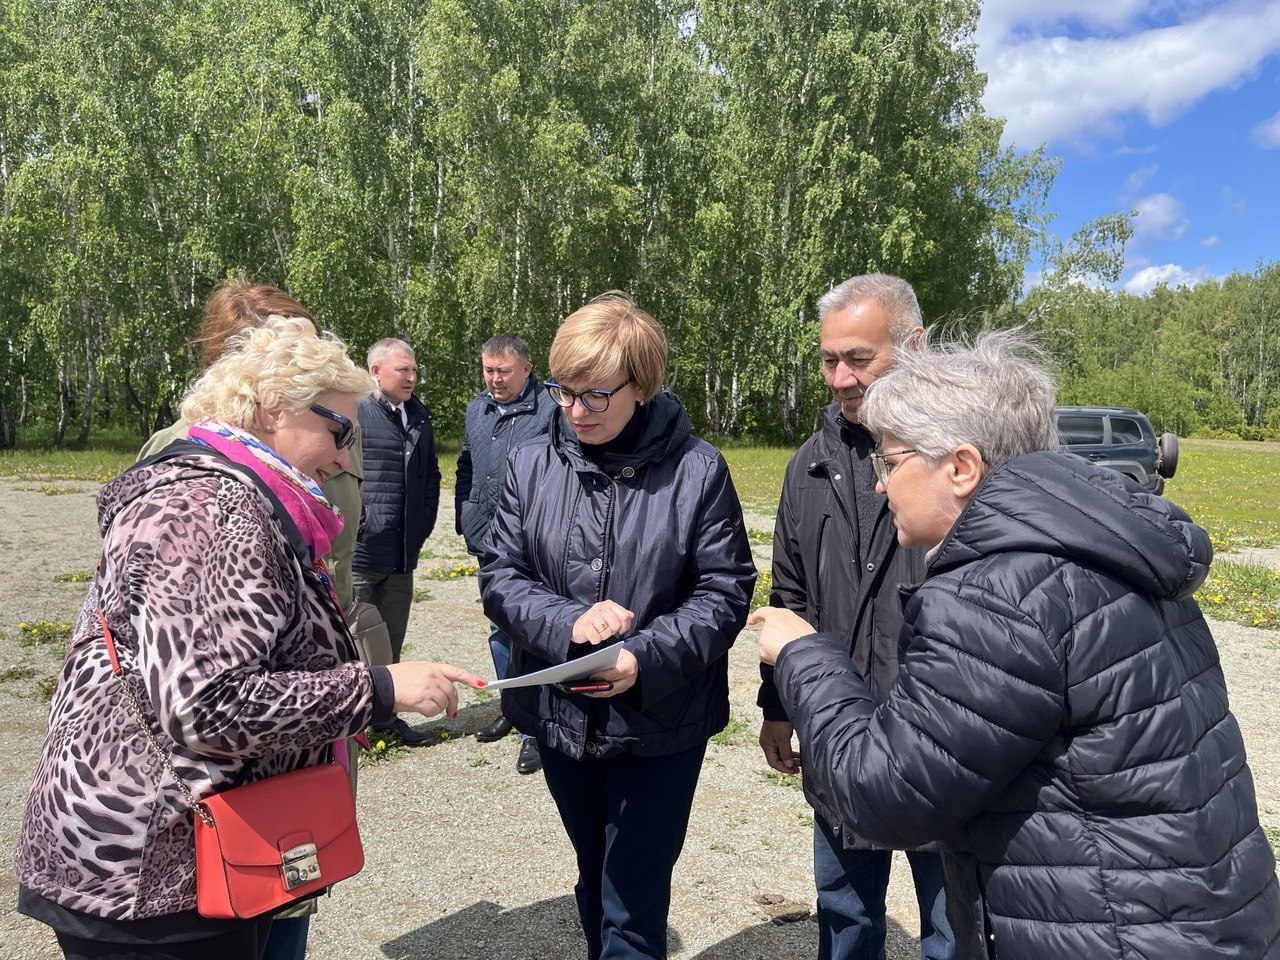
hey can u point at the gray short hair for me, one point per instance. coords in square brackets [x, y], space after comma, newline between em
[385, 347]
[992, 393]
[501, 343]
[893, 294]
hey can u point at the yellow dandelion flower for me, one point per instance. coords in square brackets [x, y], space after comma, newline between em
[380, 745]
[444, 734]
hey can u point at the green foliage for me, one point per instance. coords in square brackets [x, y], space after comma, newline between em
[764, 584]
[734, 732]
[446, 172]
[1198, 361]
[1247, 593]
[38, 633]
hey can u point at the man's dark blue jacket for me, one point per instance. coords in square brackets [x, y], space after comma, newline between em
[658, 530]
[1060, 726]
[490, 437]
[401, 486]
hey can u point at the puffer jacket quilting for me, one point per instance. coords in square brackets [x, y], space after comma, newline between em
[1060, 725]
[489, 437]
[659, 531]
[401, 486]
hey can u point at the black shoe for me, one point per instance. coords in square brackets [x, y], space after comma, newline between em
[494, 731]
[404, 733]
[530, 760]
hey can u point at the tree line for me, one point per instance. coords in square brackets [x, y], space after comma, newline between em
[442, 170]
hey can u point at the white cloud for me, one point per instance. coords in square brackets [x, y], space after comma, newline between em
[1170, 275]
[1161, 216]
[1211, 241]
[1267, 132]
[1138, 178]
[1053, 88]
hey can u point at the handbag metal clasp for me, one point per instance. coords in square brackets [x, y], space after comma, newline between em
[300, 865]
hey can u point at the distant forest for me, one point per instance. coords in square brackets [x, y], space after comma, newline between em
[442, 171]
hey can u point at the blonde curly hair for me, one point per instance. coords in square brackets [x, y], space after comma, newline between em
[282, 363]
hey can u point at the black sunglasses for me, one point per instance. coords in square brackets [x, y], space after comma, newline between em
[344, 437]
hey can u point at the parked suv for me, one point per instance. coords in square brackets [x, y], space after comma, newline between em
[1122, 439]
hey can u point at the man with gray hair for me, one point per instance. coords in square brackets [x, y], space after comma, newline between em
[401, 496]
[511, 409]
[837, 563]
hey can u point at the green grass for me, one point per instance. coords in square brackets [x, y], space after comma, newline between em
[734, 732]
[1231, 488]
[1247, 593]
[106, 456]
[757, 472]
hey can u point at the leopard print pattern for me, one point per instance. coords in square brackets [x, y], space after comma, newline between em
[235, 653]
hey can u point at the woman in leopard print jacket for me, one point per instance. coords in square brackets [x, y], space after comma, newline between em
[227, 629]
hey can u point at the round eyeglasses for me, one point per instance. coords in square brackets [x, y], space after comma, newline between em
[597, 401]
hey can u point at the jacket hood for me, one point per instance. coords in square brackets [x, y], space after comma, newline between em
[1061, 505]
[666, 430]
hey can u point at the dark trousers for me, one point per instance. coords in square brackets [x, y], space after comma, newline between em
[626, 817]
[852, 885]
[245, 942]
[392, 594]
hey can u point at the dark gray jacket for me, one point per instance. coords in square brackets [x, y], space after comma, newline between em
[488, 439]
[814, 553]
[1060, 726]
[658, 531]
[401, 486]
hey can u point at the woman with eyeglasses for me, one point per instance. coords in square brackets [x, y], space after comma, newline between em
[619, 526]
[236, 305]
[227, 628]
[1059, 724]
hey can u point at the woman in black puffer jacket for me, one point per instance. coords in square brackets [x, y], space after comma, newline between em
[619, 525]
[1060, 722]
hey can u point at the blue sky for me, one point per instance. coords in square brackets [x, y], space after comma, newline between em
[1167, 107]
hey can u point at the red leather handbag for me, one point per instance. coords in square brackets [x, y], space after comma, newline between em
[261, 846]
[266, 844]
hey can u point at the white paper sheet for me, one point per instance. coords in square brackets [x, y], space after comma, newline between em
[593, 662]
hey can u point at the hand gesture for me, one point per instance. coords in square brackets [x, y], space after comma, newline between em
[781, 626]
[428, 688]
[602, 621]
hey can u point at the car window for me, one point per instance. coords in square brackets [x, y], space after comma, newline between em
[1078, 429]
[1124, 430]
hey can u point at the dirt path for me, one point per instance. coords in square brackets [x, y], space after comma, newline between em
[465, 857]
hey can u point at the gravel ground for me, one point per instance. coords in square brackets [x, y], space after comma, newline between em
[465, 858]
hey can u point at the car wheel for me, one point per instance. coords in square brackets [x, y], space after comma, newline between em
[1167, 461]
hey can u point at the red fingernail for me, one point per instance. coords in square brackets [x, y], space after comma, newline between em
[453, 716]
[483, 683]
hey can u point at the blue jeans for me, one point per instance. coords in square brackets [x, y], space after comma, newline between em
[288, 940]
[626, 818]
[500, 648]
[851, 891]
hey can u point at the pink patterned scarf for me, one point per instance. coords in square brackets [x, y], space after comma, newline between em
[316, 518]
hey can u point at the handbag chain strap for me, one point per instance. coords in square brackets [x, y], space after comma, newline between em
[196, 806]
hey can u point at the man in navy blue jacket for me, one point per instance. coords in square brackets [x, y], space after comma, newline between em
[401, 495]
[511, 409]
